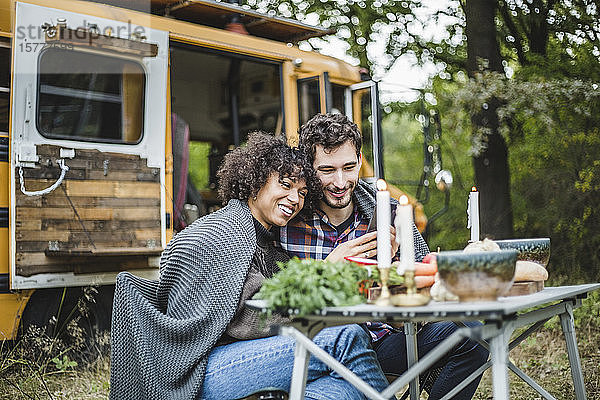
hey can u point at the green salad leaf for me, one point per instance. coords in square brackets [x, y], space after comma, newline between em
[305, 286]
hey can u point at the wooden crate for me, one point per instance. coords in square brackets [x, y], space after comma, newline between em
[117, 202]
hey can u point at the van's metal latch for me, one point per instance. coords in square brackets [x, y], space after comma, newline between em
[67, 153]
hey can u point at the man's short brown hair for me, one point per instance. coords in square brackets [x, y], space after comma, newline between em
[329, 131]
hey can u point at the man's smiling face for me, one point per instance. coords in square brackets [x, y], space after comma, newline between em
[338, 171]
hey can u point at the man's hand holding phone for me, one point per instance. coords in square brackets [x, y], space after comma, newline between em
[364, 246]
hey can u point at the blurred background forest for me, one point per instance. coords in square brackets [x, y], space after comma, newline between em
[515, 85]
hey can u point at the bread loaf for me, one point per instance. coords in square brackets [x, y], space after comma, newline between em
[530, 271]
[482, 245]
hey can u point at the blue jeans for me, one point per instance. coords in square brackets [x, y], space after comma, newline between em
[242, 368]
[459, 363]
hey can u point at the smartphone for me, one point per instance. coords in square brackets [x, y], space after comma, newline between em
[373, 222]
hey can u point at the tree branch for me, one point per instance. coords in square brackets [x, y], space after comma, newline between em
[514, 32]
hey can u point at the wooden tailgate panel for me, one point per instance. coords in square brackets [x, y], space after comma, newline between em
[116, 198]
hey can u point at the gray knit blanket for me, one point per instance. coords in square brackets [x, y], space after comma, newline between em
[162, 332]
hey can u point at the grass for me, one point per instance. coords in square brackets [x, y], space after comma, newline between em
[28, 369]
[82, 384]
[41, 367]
[543, 356]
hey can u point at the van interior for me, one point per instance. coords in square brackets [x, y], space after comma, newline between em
[216, 100]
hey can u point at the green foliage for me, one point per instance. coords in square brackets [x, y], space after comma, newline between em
[403, 150]
[403, 155]
[306, 286]
[553, 132]
[356, 22]
[588, 315]
[64, 364]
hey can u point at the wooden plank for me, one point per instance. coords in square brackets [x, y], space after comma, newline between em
[48, 150]
[107, 252]
[28, 213]
[86, 202]
[123, 176]
[146, 234]
[119, 189]
[40, 247]
[35, 184]
[85, 267]
[92, 154]
[117, 164]
[36, 236]
[29, 225]
[51, 173]
[103, 202]
[79, 163]
[101, 236]
[53, 151]
[29, 270]
[63, 202]
[28, 201]
[40, 258]
[113, 225]
[132, 263]
[137, 190]
[126, 202]
[91, 188]
[128, 214]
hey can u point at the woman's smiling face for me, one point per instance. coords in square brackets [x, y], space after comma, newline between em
[279, 200]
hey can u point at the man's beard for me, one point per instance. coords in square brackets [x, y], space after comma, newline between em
[339, 203]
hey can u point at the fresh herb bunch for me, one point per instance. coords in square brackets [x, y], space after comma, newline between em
[306, 286]
[394, 278]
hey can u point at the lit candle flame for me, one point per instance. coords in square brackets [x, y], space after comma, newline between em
[473, 189]
[381, 185]
[403, 200]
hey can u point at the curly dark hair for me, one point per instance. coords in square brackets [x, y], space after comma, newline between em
[245, 170]
[330, 131]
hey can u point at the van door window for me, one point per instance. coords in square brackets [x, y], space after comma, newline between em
[89, 96]
[4, 86]
[309, 98]
[338, 99]
[364, 98]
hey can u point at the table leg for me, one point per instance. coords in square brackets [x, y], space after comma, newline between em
[568, 328]
[412, 356]
[299, 372]
[499, 355]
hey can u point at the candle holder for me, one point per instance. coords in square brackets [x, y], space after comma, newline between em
[384, 298]
[411, 298]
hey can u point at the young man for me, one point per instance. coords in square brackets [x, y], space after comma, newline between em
[338, 229]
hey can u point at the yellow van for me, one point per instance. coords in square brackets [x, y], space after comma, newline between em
[105, 104]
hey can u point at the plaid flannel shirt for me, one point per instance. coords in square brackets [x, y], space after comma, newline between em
[313, 236]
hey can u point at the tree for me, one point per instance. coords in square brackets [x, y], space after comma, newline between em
[536, 39]
[490, 163]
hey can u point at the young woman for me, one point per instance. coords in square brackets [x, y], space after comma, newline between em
[188, 336]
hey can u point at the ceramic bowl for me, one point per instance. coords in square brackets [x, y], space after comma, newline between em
[477, 276]
[537, 250]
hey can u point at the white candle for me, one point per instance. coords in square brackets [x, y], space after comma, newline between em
[404, 228]
[384, 245]
[473, 214]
